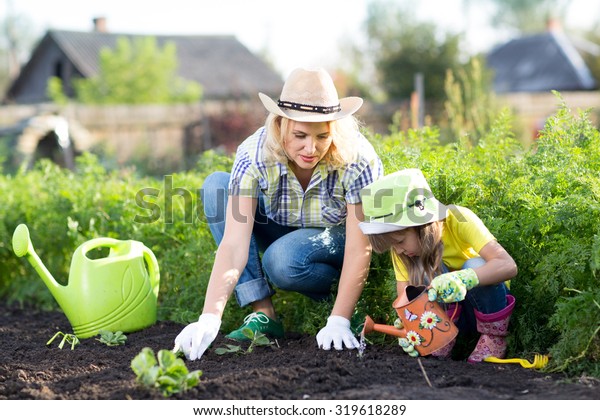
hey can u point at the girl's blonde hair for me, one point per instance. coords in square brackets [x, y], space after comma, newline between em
[343, 148]
[425, 267]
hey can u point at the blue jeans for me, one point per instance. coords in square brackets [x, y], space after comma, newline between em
[304, 260]
[486, 299]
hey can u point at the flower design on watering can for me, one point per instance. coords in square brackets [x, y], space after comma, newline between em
[429, 320]
[414, 338]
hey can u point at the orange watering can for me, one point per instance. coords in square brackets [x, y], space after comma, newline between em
[116, 293]
[425, 324]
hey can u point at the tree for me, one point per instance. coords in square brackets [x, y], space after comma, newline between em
[589, 48]
[16, 39]
[526, 16]
[136, 72]
[403, 47]
[470, 105]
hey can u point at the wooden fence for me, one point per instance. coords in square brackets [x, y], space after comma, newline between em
[170, 137]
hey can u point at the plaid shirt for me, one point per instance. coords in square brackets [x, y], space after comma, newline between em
[324, 202]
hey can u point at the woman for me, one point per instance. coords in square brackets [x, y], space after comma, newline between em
[294, 196]
[448, 248]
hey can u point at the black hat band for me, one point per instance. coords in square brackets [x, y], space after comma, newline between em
[309, 108]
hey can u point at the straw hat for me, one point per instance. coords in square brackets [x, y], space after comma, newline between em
[310, 96]
[398, 201]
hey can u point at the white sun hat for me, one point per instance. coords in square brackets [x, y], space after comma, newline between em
[398, 201]
[310, 96]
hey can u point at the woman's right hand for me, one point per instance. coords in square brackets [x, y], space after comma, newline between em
[194, 339]
[337, 332]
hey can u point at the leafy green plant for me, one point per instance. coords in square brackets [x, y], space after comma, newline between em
[112, 338]
[578, 316]
[66, 338]
[256, 339]
[168, 373]
[230, 348]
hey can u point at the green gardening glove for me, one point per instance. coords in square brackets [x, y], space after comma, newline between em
[452, 286]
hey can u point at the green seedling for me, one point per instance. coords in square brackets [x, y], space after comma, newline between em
[230, 348]
[112, 338]
[168, 374]
[256, 339]
[67, 338]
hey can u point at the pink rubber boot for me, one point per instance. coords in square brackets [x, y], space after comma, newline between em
[493, 329]
[453, 311]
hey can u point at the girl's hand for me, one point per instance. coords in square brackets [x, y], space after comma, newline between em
[453, 286]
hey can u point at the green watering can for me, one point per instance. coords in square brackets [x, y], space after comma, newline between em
[116, 293]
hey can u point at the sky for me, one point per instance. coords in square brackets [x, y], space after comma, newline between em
[295, 34]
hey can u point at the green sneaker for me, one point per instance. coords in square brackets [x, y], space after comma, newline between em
[258, 322]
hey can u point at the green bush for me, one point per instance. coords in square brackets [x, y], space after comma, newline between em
[542, 205]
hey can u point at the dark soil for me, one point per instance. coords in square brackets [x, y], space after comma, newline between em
[297, 369]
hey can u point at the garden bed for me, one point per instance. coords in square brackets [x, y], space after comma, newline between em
[295, 369]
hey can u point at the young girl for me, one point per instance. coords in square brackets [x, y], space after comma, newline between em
[446, 247]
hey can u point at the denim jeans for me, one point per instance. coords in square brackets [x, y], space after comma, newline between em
[304, 260]
[486, 299]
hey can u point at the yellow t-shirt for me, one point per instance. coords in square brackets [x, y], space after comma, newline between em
[463, 236]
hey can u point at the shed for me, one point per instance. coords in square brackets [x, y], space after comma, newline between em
[540, 63]
[224, 67]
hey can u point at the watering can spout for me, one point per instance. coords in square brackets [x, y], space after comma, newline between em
[371, 326]
[23, 247]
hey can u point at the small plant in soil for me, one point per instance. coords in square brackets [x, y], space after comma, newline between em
[66, 338]
[169, 374]
[112, 338]
[256, 339]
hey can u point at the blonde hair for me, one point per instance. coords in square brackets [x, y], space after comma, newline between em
[343, 149]
[425, 267]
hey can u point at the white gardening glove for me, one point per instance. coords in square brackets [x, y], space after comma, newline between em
[337, 331]
[194, 339]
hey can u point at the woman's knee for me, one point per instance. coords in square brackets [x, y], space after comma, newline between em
[214, 196]
[216, 181]
[280, 268]
[305, 259]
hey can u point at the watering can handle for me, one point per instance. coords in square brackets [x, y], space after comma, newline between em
[98, 242]
[153, 270]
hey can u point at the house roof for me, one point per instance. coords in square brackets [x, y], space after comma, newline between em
[221, 64]
[541, 62]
